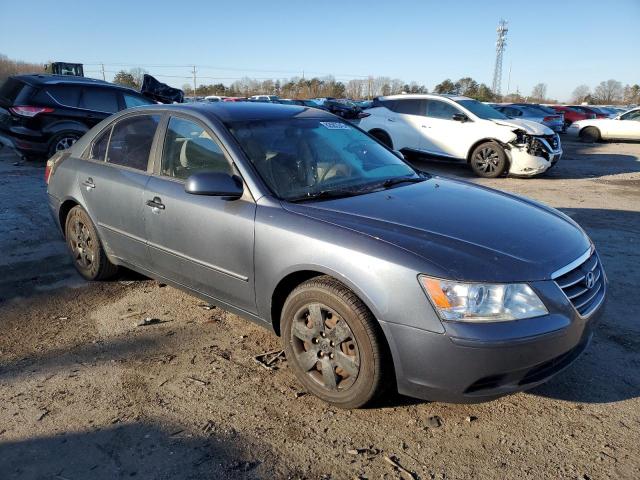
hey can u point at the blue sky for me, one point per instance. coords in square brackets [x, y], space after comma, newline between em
[561, 43]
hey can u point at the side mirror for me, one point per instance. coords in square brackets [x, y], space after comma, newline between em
[215, 184]
[460, 117]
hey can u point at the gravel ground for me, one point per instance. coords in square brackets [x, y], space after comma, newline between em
[86, 393]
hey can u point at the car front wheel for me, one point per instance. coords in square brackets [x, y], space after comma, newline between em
[489, 160]
[333, 343]
[85, 247]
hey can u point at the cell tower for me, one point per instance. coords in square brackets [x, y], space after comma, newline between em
[501, 43]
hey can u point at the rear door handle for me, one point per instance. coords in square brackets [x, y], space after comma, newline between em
[390, 120]
[156, 203]
[89, 183]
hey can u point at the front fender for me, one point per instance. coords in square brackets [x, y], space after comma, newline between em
[382, 275]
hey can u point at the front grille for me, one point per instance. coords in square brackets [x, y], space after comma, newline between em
[584, 285]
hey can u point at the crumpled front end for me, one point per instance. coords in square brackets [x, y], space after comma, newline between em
[531, 155]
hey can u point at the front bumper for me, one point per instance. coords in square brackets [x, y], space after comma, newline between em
[524, 164]
[478, 362]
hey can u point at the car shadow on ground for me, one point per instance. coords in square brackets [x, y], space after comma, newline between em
[134, 450]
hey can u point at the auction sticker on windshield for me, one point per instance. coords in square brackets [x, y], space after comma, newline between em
[335, 125]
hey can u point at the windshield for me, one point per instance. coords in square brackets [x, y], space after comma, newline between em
[307, 158]
[482, 110]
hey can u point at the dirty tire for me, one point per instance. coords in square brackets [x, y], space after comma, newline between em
[87, 254]
[333, 343]
[488, 160]
[62, 141]
[590, 135]
[383, 137]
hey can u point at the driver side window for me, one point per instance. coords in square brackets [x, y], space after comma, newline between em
[188, 149]
[633, 115]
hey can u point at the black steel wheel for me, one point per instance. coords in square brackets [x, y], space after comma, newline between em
[85, 247]
[333, 343]
[489, 160]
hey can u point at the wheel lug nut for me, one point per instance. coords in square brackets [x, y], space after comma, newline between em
[321, 354]
[323, 334]
[331, 355]
[332, 344]
[314, 340]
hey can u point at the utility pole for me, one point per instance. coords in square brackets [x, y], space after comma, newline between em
[501, 43]
[103, 77]
[370, 87]
[509, 80]
[194, 81]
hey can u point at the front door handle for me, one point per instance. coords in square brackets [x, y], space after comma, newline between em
[156, 203]
[390, 120]
[89, 183]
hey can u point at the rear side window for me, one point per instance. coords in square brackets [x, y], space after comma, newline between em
[188, 149]
[100, 100]
[407, 107]
[66, 95]
[131, 141]
[442, 110]
[99, 147]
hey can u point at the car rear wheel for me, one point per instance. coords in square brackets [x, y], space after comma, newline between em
[489, 160]
[62, 142]
[85, 247]
[383, 137]
[333, 343]
[590, 135]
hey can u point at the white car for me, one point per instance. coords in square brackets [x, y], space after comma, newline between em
[464, 129]
[625, 126]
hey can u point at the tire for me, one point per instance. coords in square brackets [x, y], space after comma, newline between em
[383, 137]
[590, 135]
[88, 256]
[62, 141]
[488, 160]
[333, 343]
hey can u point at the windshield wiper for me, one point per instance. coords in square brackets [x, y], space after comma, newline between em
[323, 194]
[396, 181]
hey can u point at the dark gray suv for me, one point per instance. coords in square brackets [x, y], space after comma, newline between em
[375, 275]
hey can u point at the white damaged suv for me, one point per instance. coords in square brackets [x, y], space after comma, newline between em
[462, 128]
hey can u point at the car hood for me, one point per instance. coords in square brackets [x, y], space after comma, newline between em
[532, 128]
[463, 231]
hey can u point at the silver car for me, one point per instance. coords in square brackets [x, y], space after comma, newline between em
[535, 113]
[375, 275]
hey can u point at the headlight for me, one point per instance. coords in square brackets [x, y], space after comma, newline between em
[482, 302]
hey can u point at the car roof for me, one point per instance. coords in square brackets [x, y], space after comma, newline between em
[244, 111]
[38, 79]
[417, 96]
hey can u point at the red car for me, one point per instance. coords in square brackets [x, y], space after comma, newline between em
[584, 109]
[572, 114]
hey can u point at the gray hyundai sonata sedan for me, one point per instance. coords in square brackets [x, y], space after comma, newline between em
[374, 275]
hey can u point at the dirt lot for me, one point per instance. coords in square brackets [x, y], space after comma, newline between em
[85, 393]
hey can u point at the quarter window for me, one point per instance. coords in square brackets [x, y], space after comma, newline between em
[438, 109]
[99, 147]
[189, 148]
[100, 100]
[134, 101]
[131, 141]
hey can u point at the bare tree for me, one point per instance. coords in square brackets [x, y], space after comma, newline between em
[608, 92]
[539, 92]
[580, 93]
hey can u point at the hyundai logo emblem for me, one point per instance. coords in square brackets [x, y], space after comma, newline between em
[590, 280]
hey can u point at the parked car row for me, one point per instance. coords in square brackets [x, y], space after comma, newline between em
[374, 275]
